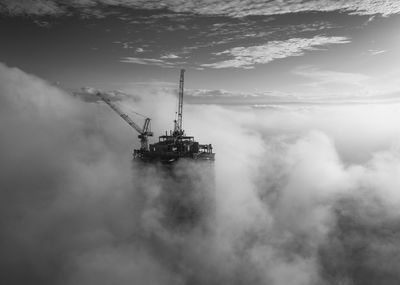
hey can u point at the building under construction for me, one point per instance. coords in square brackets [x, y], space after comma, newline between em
[170, 147]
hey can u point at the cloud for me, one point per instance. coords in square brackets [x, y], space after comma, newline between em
[51, 137]
[208, 7]
[170, 56]
[376, 52]
[296, 195]
[42, 7]
[247, 57]
[147, 61]
[205, 37]
[349, 86]
[323, 91]
[126, 45]
[322, 77]
[167, 60]
[225, 97]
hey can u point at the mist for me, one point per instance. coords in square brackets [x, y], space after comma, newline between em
[297, 195]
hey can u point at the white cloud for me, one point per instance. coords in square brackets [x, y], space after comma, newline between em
[292, 202]
[212, 7]
[170, 56]
[247, 57]
[350, 85]
[141, 60]
[376, 52]
[126, 46]
[328, 76]
[149, 61]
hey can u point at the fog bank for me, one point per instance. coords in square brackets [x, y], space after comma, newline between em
[297, 195]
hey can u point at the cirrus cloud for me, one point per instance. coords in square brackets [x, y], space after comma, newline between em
[208, 7]
[247, 57]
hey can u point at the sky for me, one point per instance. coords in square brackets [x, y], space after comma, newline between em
[233, 51]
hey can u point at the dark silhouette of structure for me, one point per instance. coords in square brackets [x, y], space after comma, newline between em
[170, 147]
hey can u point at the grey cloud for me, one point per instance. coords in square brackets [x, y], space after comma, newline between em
[42, 7]
[164, 61]
[376, 52]
[211, 7]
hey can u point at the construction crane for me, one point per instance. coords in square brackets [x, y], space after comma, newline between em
[178, 131]
[176, 145]
[144, 132]
[172, 146]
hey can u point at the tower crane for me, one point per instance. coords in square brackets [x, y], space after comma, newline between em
[144, 132]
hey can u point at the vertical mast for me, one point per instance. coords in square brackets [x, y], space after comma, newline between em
[178, 124]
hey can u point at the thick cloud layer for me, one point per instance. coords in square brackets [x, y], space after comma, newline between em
[296, 196]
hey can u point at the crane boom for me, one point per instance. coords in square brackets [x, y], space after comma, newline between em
[180, 108]
[178, 131]
[143, 132]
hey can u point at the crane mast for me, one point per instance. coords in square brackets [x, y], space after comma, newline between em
[178, 131]
[143, 132]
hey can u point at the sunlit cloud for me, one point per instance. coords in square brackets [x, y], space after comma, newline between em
[247, 57]
[170, 56]
[321, 77]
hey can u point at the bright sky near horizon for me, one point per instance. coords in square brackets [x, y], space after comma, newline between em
[232, 50]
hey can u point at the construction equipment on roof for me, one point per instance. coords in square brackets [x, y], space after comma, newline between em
[170, 147]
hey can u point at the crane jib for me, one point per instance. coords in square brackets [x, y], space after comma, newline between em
[143, 132]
